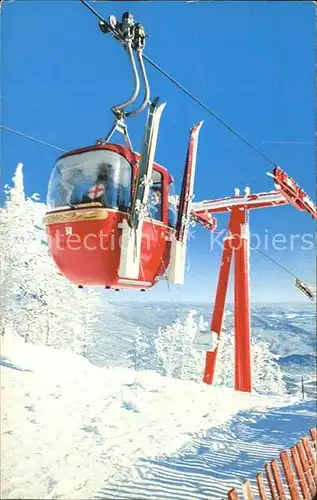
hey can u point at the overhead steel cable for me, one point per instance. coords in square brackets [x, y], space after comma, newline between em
[277, 263]
[112, 31]
[307, 289]
[206, 108]
[32, 138]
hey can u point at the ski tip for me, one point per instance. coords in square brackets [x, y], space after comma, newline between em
[154, 104]
[197, 126]
[158, 110]
[162, 106]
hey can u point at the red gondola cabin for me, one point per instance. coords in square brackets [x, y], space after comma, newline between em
[89, 197]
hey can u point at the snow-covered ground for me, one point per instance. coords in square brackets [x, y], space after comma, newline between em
[73, 430]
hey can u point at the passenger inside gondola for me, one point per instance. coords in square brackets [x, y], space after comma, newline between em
[156, 202]
[103, 189]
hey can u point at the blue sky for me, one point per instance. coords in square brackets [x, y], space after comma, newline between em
[251, 62]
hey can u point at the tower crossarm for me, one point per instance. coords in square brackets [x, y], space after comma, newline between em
[251, 201]
[292, 192]
[287, 192]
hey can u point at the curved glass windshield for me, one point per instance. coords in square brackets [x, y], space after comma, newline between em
[95, 176]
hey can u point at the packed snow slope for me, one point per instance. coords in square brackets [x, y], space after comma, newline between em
[73, 430]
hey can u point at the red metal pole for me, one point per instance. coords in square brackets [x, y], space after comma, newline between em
[220, 301]
[240, 232]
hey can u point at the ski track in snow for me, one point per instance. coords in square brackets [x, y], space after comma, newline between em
[73, 430]
[210, 465]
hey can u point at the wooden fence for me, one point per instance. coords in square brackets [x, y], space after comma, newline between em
[297, 481]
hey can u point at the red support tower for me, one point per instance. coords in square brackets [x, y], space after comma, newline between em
[237, 246]
[241, 240]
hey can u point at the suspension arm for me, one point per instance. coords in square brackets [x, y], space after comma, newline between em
[118, 107]
[146, 98]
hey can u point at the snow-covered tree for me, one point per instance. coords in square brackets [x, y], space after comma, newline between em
[142, 355]
[172, 353]
[175, 352]
[266, 374]
[16, 241]
[169, 351]
[41, 304]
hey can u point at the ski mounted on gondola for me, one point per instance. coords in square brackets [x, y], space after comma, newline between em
[143, 180]
[176, 271]
[129, 267]
[187, 191]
